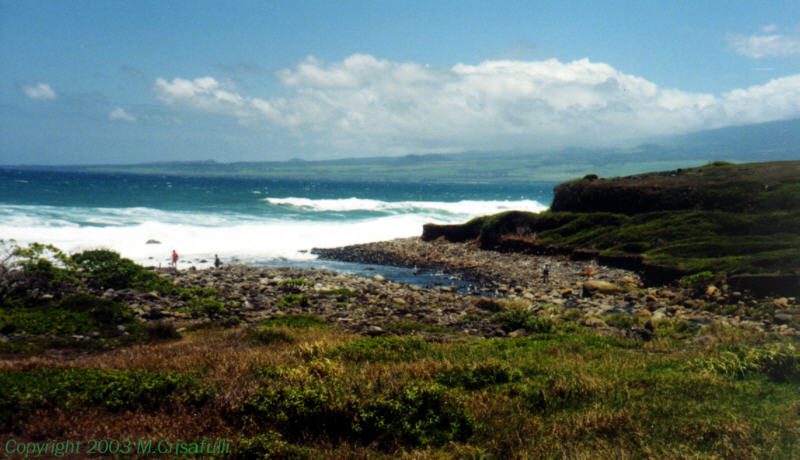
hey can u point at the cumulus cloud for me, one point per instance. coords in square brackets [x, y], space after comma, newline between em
[365, 104]
[39, 91]
[766, 44]
[119, 114]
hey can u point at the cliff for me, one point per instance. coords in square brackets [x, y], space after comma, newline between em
[741, 222]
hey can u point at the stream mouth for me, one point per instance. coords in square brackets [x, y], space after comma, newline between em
[424, 278]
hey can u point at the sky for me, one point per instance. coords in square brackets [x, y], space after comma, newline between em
[96, 82]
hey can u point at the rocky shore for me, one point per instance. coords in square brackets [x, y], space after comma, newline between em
[510, 298]
[581, 292]
[581, 289]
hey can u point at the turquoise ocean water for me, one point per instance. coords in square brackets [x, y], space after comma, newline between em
[253, 221]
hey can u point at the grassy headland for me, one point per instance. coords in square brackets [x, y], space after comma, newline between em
[740, 221]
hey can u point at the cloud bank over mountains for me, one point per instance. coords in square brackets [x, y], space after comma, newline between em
[366, 105]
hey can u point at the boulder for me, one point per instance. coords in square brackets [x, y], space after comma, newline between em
[605, 287]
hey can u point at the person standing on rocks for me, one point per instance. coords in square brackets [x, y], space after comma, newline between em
[174, 259]
[217, 262]
[546, 273]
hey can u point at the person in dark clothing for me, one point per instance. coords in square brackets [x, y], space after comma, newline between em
[217, 262]
[546, 273]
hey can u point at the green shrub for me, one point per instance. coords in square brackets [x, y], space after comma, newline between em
[512, 320]
[417, 414]
[267, 446]
[161, 331]
[476, 377]
[79, 313]
[620, 320]
[105, 269]
[290, 300]
[210, 306]
[558, 390]
[295, 285]
[339, 293]
[113, 390]
[779, 362]
[697, 281]
[411, 415]
[104, 311]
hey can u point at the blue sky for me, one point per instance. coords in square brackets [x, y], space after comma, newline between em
[127, 82]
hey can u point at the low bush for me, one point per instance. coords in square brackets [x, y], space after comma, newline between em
[294, 285]
[389, 348]
[512, 320]
[267, 446]
[113, 390]
[411, 415]
[478, 376]
[74, 314]
[209, 306]
[161, 331]
[339, 293]
[779, 362]
[290, 300]
[558, 390]
[620, 320]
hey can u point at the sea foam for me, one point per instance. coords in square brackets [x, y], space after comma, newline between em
[242, 237]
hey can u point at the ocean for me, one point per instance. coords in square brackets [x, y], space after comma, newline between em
[250, 221]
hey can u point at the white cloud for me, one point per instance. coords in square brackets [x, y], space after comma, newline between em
[39, 91]
[766, 44]
[372, 106]
[119, 114]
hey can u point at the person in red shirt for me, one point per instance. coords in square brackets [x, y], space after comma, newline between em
[174, 258]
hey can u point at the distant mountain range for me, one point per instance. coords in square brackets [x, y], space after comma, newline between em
[772, 141]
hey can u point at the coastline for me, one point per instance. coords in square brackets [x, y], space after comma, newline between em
[579, 292]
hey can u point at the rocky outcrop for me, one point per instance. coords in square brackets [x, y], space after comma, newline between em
[718, 186]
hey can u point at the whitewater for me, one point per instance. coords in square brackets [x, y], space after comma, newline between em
[251, 221]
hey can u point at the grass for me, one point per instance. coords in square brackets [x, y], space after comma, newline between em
[328, 394]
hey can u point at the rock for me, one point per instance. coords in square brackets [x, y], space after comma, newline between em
[378, 278]
[518, 333]
[374, 330]
[782, 302]
[712, 291]
[658, 315]
[592, 287]
[594, 321]
[152, 241]
[642, 314]
[783, 318]
[565, 292]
